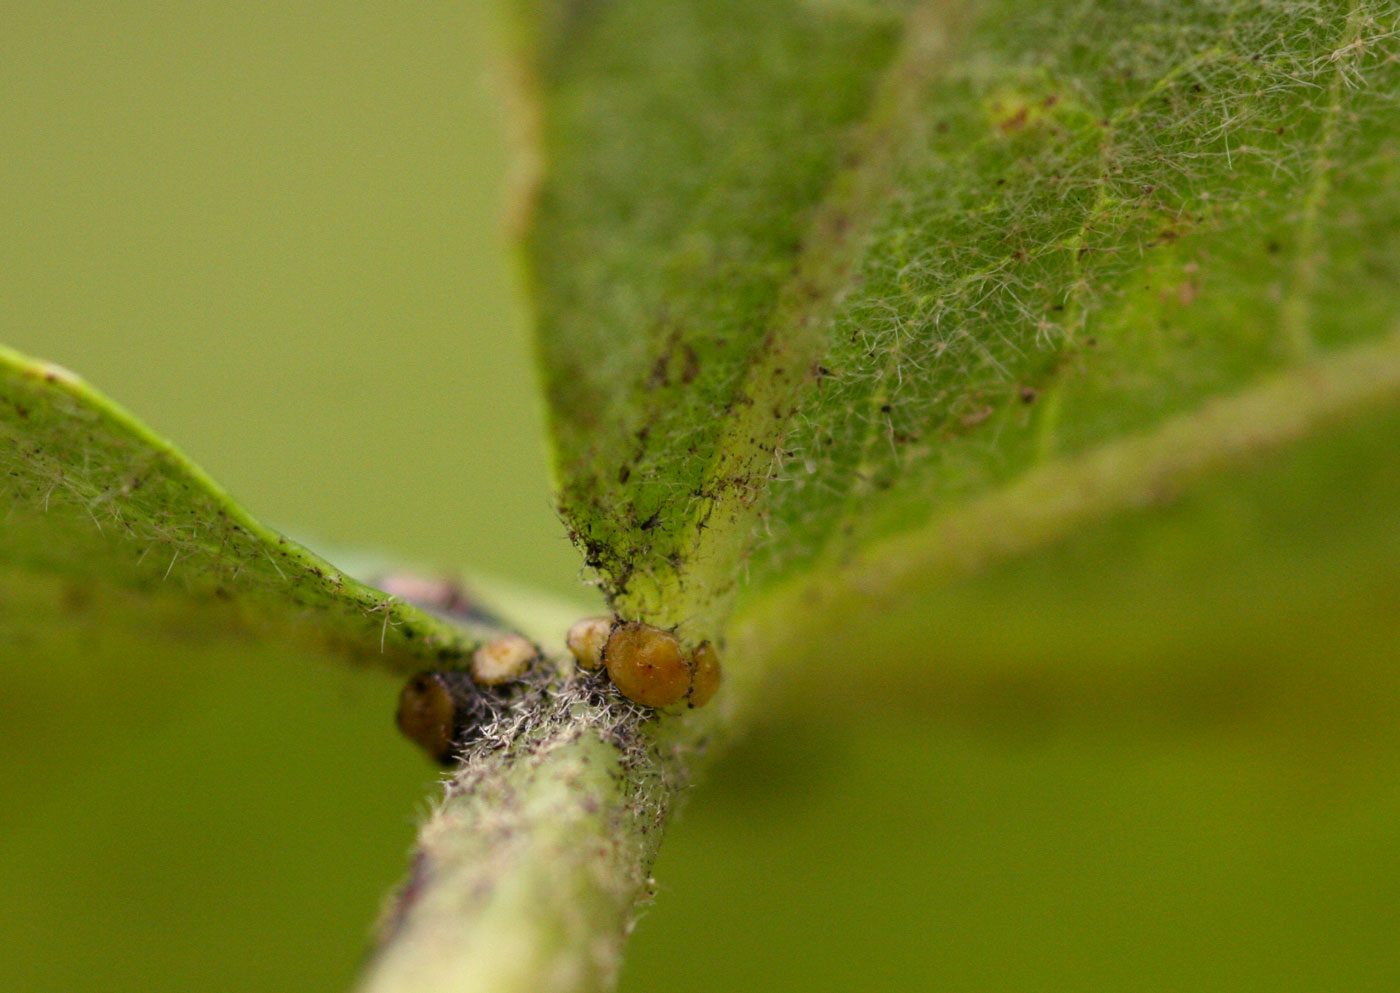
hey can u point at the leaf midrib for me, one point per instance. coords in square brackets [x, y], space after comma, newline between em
[719, 532]
[1048, 504]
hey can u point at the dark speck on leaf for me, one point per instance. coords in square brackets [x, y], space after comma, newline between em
[78, 598]
[690, 366]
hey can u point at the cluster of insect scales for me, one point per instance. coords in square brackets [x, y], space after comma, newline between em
[441, 709]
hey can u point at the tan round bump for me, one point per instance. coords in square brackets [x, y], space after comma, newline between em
[587, 639]
[647, 664]
[427, 713]
[502, 660]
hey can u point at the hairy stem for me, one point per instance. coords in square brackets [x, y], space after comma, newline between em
[527, 874]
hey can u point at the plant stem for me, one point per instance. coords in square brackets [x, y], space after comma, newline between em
[526, 875]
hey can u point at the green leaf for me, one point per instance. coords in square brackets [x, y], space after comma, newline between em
[114, 542]
[1041, 430]
[841, 306]
[685, 146]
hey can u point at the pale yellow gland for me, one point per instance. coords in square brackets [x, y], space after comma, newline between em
[587, 638]
[502, 660]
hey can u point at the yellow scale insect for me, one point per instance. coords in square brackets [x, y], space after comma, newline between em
[645, 663]
[442, 711]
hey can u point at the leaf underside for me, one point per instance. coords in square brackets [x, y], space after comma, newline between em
[841, 304]
[114, 543]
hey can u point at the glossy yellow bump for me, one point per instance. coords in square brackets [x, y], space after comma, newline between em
[647, 664]
[705, 675]
[427, 714]
[587, 639]
[502, 660]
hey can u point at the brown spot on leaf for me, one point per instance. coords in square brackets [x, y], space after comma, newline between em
[1016, 121]
[976, 417]
[690, 365]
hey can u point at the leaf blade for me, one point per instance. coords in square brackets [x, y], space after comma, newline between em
[657, 304]
[101, 506]
[1109, 216]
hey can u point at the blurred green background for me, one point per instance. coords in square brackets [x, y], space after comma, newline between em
[275, 233]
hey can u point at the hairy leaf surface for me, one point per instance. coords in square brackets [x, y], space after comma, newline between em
[830, 292]
[113, 541]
